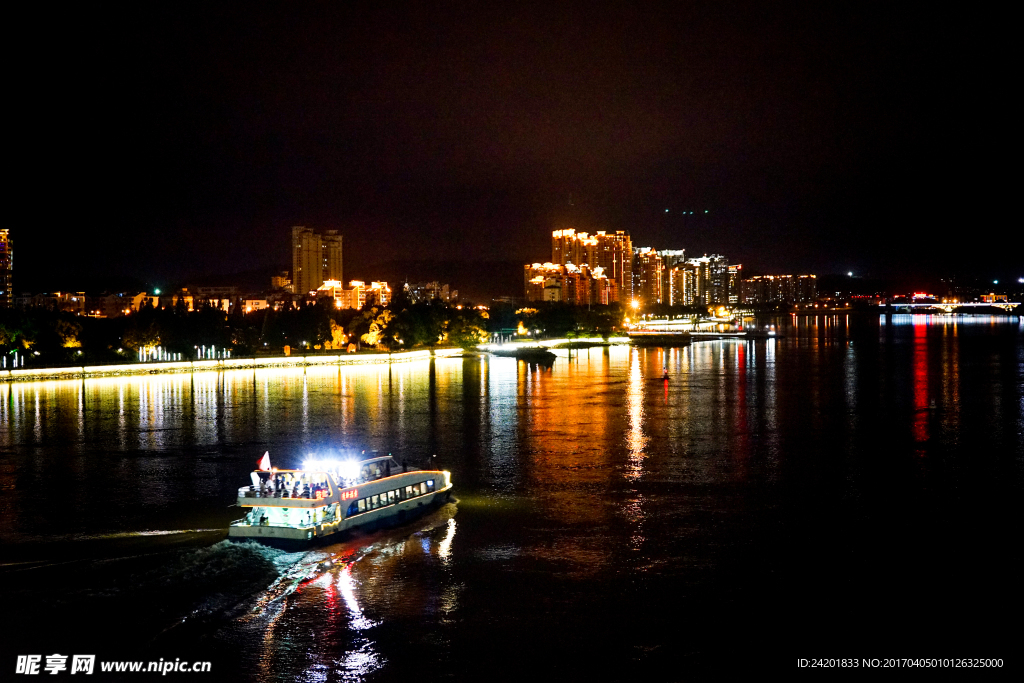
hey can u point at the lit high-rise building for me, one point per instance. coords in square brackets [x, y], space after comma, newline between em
[330, 245]
[735, 279]
[649, 269]
[701, 268]
[682, 287]
[718, 272]
[6, 269]
[568, 283]
[613, 254]
[670, 258]
[316, 258]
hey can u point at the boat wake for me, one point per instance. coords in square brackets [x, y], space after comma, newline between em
[311, 565]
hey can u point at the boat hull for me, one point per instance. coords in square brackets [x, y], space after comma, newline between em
[298, 538]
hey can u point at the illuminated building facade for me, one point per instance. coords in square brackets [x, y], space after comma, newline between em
[358, 296]
[682, 284]
[568, 283]
[670, 258]
[735, 284]
[701, 268]
[706, 281]
[718, 288]
[316, 257]
[652, 276]
[779, 289]
[613, 254]
[6, 269]
[649, 272]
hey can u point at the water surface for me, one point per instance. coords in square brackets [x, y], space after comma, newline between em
[848, 490]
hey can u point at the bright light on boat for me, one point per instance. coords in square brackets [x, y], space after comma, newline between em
[329, 465]
[348, 469]
[345, 469]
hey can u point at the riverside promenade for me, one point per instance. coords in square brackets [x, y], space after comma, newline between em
[162, 367]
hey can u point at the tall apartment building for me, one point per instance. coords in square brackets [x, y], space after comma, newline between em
[612, 253]
[316, 258]
[701, 268]
[6, 269]
[649, 271]
[670, 258]
[733, 292]
[718, 272]
[682, 284]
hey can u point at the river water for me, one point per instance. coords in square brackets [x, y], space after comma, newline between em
[851, 489]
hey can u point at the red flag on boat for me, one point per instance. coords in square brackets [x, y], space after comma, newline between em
[264, 463]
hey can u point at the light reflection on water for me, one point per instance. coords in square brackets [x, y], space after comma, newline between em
[594, 481]
[636, 439]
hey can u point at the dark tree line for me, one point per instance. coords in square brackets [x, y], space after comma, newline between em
[47, 337]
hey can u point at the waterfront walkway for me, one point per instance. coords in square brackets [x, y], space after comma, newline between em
[160, 367]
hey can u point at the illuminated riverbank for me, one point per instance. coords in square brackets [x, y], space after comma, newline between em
[163, 367]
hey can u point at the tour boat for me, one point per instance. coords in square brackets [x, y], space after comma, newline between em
[327, 497]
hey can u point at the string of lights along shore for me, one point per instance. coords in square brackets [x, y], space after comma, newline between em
[603, 268]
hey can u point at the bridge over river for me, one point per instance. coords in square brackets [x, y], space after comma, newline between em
[1007, 306]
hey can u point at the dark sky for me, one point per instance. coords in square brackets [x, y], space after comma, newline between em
[176, 142]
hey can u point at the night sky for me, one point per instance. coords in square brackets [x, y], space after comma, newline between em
[179, 142]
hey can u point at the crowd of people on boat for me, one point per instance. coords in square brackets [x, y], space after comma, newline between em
[300, 485]
[284, 485]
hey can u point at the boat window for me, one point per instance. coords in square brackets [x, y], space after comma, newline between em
[362, 505]
[391, 497]
[430, 485]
